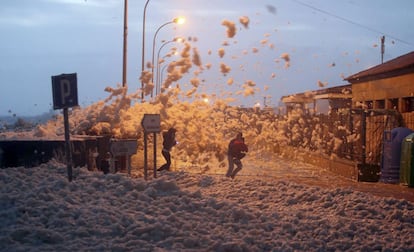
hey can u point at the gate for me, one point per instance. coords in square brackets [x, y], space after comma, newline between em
[368, 152]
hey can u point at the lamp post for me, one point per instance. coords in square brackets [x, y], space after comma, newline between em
[143, 49]
[179, 20]
[157, 81]
[161, 74]
[124, 53]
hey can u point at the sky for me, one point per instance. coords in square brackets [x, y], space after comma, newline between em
[185, 211]
[326, 41]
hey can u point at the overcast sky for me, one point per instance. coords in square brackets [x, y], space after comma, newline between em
[326, 41]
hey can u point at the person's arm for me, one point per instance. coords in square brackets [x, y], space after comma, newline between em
[172, 139]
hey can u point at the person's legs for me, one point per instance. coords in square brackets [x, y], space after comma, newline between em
[239, 167]
[167, 157]
[231, 166]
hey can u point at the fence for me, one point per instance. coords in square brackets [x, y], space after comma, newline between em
[351, 134]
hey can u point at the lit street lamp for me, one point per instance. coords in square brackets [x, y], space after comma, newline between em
[157, 84]
[179, 20]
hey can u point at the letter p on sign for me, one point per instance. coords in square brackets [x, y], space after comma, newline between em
[65, 91]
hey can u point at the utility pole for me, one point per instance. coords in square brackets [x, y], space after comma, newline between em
[124, 60]
[143, 50]
[382, 48]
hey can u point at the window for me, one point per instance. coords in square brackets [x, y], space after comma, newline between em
[393, 104]
[408, 104]
[380, 104]
[370, 104]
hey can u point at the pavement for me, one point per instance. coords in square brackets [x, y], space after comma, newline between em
[303, 173]
[312, 175]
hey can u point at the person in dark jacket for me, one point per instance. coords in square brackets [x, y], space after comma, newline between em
[236, 151]
[168, 142]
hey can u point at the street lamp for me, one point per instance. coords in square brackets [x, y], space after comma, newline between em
[179, 20]
[143, 49]
[157, 84]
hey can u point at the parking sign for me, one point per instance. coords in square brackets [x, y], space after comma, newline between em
[65, 91]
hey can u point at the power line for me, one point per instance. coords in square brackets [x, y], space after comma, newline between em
[351, 22]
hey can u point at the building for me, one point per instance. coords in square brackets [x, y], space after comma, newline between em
[377, 100]
[320, 101]
[385, 93]
[389, 86]
[386, 86]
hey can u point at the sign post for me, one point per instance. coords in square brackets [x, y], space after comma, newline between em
[151, 124]
[65, 95]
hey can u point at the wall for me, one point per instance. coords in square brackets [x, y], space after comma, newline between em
[389, 88]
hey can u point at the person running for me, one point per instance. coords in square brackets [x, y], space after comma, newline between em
[236, 151]
[168, 142]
